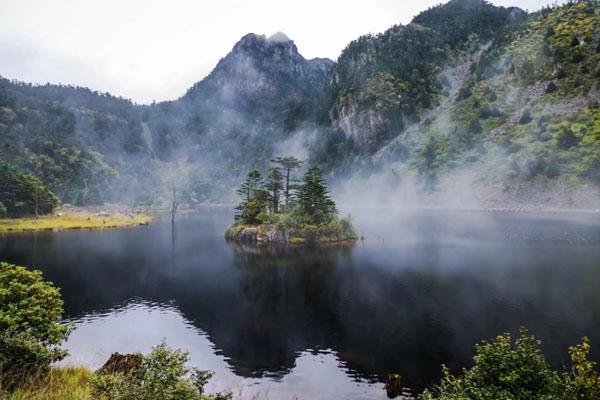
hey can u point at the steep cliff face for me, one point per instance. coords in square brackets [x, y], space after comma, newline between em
[385, 82]
[382, 82]
[372, 115]
[265, 71]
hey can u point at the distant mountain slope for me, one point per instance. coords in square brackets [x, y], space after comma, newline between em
[503, 101]
[385, 81]
[92, 147]
[515, 114]
[58, 133]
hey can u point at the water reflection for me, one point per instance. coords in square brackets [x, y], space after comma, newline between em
[419, 291]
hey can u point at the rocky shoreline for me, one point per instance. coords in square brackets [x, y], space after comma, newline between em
[270, 235]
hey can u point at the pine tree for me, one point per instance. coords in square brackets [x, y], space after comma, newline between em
[315, 201]
[23, 194]
[253, 199]
[288, 164]
[273, 188]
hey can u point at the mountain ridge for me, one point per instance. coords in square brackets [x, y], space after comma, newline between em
[401, 93]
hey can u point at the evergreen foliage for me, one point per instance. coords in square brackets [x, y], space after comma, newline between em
[23, 194]
[289, 164]
[310, 213]
[273, 187]
[458, 20]
[313, 197]
[252, 208]
[259, 199]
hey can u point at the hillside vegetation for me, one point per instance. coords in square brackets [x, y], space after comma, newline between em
[519, 107]
[23, 194]
[507, 98]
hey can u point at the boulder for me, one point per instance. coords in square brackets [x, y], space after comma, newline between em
[120, 364]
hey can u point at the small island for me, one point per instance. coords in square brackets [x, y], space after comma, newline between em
[279, 210]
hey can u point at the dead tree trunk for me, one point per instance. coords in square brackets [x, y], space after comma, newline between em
[36, 203]
[174, 206]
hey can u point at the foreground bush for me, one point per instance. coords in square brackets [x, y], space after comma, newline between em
[162, 375]
[507, 370]
[30, 329]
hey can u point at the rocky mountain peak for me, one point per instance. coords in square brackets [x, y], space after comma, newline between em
[278, 37]
[254, 44]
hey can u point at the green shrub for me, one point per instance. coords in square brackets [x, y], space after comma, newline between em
[582, 382]
[504, 369]
[30, 329]
[162, 375]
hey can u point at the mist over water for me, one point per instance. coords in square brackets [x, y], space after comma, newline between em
[329, 321]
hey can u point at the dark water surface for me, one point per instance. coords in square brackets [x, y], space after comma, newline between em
[419, 291]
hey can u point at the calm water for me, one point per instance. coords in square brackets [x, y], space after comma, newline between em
[419, 291]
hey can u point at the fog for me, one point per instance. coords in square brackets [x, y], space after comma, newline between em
[263, 100]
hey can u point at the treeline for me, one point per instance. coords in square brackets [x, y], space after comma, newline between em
[23, 194]
[50, 132]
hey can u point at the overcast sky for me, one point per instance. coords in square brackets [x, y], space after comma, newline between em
[156, 49]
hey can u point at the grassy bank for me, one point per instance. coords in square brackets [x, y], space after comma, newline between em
[68, 383]
[72, 220]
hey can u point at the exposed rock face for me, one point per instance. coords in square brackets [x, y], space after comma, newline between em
[262, 72]
[374, 99]
[121, 364]
[365, 124]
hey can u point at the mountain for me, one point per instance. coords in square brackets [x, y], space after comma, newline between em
[262, 90]
[91, 147]
[385, 81]
[473, 105]
[468, 105]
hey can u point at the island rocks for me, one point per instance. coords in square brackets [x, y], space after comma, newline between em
[271, 235]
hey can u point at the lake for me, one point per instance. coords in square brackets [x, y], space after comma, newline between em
[419, 290]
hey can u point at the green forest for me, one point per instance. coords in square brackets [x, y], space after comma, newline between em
[466, 85]
[23, 194]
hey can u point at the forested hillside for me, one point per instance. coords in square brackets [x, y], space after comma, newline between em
[509, 105]
[506, 100]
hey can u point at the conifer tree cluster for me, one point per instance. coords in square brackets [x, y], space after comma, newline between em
[23, 194]
[279, 192]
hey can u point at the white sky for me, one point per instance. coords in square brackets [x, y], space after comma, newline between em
[156, 49]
